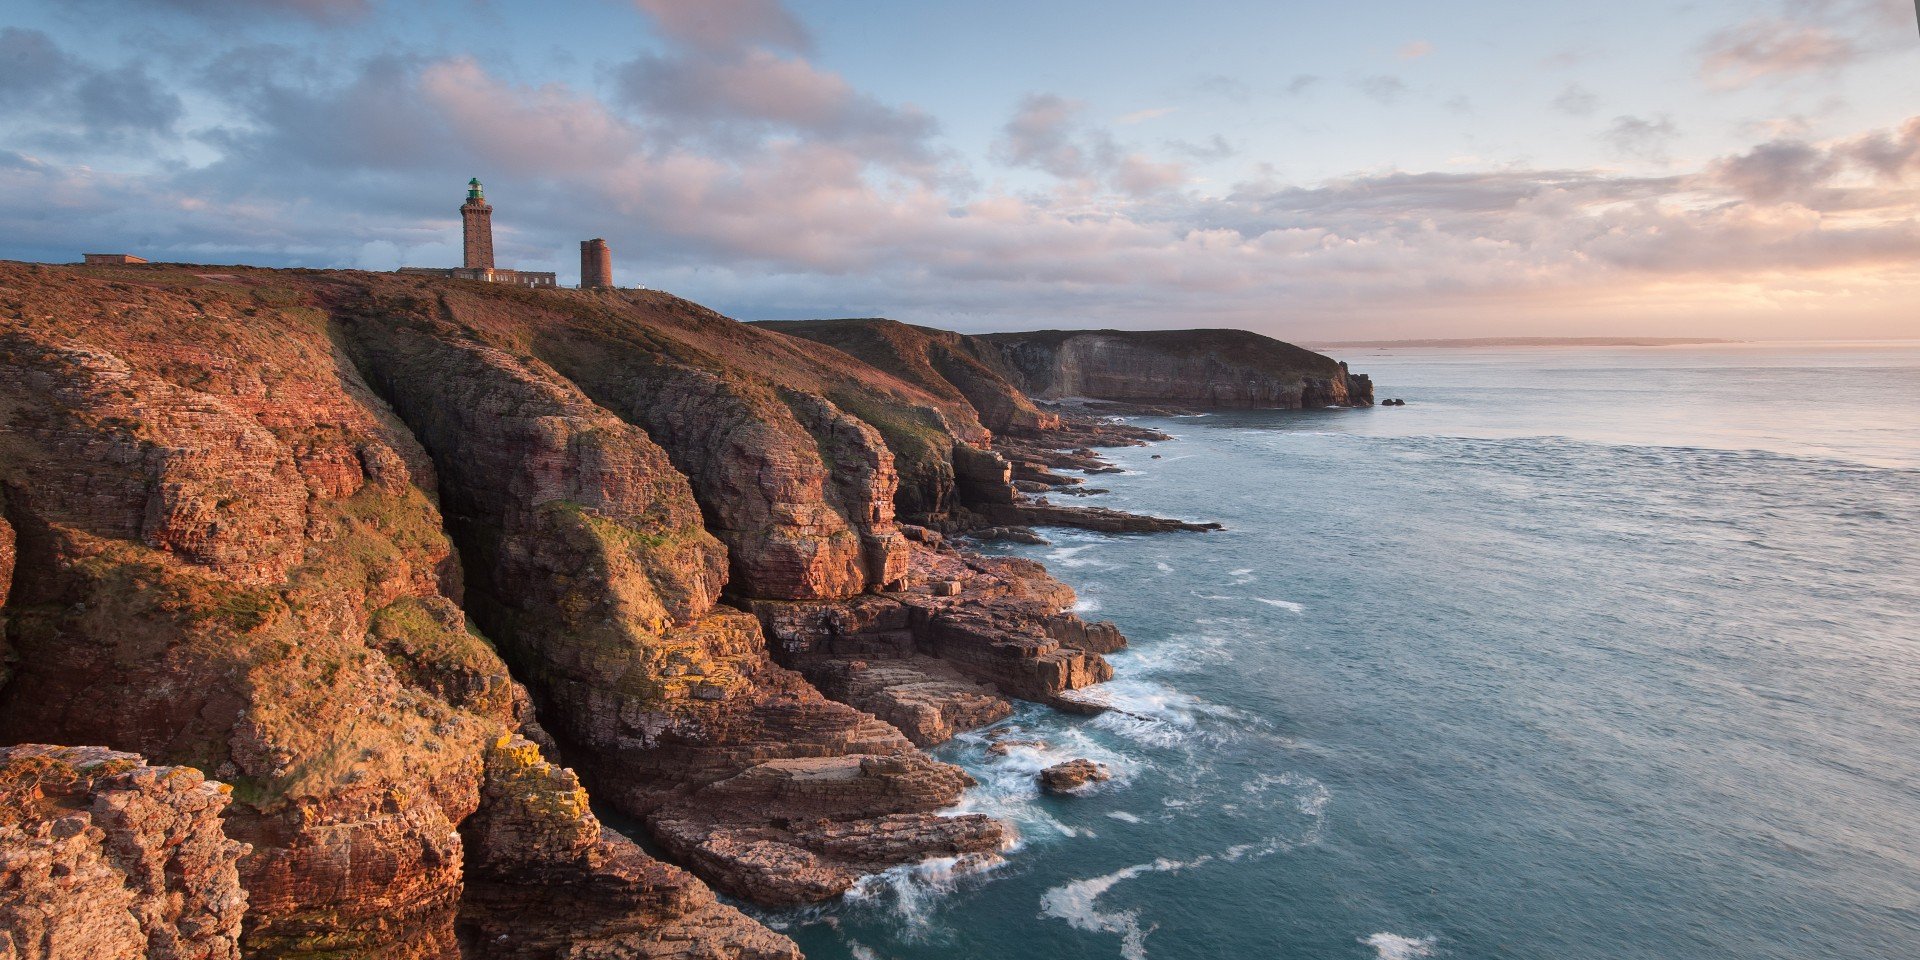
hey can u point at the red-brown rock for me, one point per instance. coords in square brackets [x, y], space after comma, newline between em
[1073, 775]
[103, 856]
[546, 879]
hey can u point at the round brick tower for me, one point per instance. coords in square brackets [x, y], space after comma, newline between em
[596, 265]
[476, 219]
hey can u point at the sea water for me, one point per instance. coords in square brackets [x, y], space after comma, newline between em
[1579, 654]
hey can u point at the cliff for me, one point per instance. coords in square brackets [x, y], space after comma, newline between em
[999, 375]
[948, 365]
[1190, 368]
[383, 553]
[999, 378]
[103, 856]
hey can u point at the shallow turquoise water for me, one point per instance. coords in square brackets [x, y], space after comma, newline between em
[1581, 654]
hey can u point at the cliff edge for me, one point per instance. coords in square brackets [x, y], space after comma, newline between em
[1191, 368]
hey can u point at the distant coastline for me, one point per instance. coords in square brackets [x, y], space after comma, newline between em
[1523, 342]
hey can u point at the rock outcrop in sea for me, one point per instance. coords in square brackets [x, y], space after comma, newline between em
[353, 588]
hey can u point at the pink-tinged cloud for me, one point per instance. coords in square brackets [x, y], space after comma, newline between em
[732, 98]
[1772, 47]
[1050, 133]
[776, 215]
[542, 130]
[728, 25]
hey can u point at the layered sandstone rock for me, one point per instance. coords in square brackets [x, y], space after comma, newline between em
[546, 879]
[943, 363]
[6, 584]
[102, 856]
[798, 525]
[940, 661]
[605, 344]
[591, 567]
[234, 562]
[798, 831]
[990, 480]
[273, 524]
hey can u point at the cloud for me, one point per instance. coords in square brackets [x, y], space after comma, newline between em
[750, 177]
[1048, 133]
[59, 102]
[1576, 101]
[1416, 50]
[1301, 83]
[1768, 47]
[1643, 138]
[1805, 38]
[30, 64]
[739, 77]
[724, 26]
[1044, 135]
[1888, 154]
[318, 11]
[1142, 116]
[757, 91]
[1216, 147]
[1779, 170]
[1384, 89]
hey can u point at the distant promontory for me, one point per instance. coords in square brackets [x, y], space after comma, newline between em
[1467, 342]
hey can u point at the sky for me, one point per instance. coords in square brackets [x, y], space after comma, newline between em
[1726, 168]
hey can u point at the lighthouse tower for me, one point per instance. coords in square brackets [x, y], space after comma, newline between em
[476, 218]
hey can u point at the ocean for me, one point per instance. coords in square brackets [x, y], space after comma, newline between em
[1583, 653]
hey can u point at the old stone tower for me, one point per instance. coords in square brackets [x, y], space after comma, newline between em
[476, 218]
[596, 265]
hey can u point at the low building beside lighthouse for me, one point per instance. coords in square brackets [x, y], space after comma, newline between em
[476, 228]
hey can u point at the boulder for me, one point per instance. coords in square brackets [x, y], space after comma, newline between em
[1073, 775]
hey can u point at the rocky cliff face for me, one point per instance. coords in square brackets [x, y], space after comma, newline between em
[104, 856]
[999, 374]
[945, 364]
[354, 544]
[545, 879]
[1193, 368]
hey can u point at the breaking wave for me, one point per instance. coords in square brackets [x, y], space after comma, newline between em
[1392, 946]
[1078, 901]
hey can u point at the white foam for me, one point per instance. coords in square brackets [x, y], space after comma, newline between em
[1282, 604]
[1071, 556]
[1243, 571]
[860, 951]
[1392, 946]
[1086, 605]
[911, 890]
[1008, 781]
[1164, 566]
[1124, 817]
[1078, 903]
[1149, 712]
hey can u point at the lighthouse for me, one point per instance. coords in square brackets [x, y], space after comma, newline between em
[476, 228]
[476, 219]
